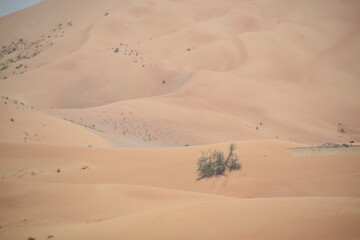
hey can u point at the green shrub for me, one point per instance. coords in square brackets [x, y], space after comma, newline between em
[213, 163]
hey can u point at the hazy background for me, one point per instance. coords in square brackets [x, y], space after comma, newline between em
[10, 6]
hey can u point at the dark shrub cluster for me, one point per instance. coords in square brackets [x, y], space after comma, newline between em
[213, 162]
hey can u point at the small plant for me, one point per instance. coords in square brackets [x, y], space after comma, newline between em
[106, 14]
[341, 130]
[50, 236]
[163, 82]
[188, 49]
[11, 119]
[116, 50]
[31, 238]
[58, 170]
[213, 163]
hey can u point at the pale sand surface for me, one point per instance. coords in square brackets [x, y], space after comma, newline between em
[93, 140]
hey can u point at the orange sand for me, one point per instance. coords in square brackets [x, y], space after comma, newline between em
[109, 92]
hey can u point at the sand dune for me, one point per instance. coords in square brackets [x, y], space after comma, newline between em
[282, 67]
[113, 192]
[106, 107]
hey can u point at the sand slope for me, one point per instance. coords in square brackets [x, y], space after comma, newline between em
[154, 194]
[289, 66]
[21, 123]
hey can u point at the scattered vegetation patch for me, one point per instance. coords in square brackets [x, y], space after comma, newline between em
[213, 163]
[16, 102]
[135, 55]
[13, 55]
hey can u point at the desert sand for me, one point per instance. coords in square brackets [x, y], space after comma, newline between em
[106, 107]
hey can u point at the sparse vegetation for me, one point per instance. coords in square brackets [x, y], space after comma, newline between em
[22, 49]
[50, 236]
[31, 238]
[213, 163]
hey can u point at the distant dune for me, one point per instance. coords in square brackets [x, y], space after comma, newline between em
[106, 106]
[292, 67]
